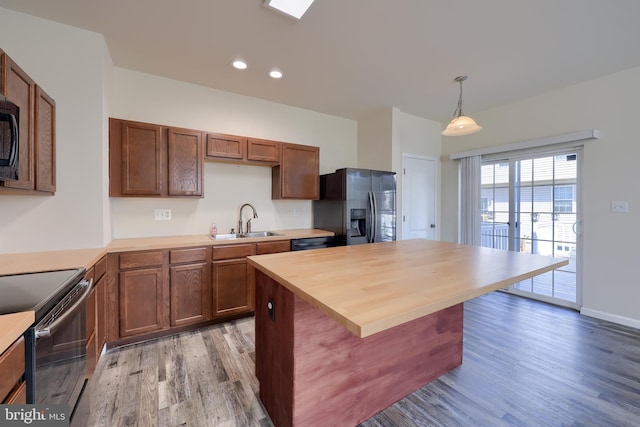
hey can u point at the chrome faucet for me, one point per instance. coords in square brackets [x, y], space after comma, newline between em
[255, 215]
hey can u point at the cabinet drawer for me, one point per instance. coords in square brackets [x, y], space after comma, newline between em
[233, 251]
[140, 259]
[100, 268]
[188, 255]
[18, 396]
[272, 247]
[12, 367]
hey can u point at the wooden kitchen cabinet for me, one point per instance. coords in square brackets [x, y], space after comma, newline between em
[20, 89]
[143, 297]
[91, 325]
[45, 142]
[101, 304]
[263, 150]
[186, 161]
[37, 129]
[190, 286]
[263, 248]
[149, 160]
[226, 147]
[12, 366]
[243, 150]
[96, 315]
[232, 284]
[298, 174]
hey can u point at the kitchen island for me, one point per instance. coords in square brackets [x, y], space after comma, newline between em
[342, 333]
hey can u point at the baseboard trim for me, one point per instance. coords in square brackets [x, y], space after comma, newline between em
[621, 320]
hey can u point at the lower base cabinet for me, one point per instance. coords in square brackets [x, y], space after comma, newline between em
[189, 289]
[232, 284]
[12, 367]
[153, 293]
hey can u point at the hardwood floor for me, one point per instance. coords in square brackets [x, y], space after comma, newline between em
[525, 363]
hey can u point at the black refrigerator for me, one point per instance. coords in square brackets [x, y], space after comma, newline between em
[358, 205]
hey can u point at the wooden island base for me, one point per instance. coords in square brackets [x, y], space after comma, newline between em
[314, 372]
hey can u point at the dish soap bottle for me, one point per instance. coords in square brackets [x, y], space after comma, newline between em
[214, 230]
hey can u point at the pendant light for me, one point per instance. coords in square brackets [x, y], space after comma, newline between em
[459, 124]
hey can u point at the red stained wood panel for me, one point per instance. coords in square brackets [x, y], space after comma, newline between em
[336, 377]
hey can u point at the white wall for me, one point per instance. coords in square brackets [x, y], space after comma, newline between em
[385, 135]
[147, 98]
[610, 173]
[416, 136]
[375, 138]
[69, 64]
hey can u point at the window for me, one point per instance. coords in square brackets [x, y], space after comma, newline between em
[563, 198]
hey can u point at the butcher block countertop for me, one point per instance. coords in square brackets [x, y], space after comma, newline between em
[61, 260]
[12, 326]
[374, 287]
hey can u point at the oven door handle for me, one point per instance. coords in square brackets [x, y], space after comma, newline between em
[53, 326]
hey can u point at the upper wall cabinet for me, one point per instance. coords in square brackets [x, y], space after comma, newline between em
[298, 174]
[148, 160]
[226, 147]
[36, 130]
[45, 142]
[240, 149]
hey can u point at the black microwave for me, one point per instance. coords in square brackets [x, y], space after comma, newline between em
[9, 139]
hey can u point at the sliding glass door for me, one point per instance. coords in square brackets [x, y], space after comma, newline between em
[531, 204]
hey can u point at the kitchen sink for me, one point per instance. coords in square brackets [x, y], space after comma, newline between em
[245, 235]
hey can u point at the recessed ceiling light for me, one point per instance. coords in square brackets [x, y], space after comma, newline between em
[295, 8]
[276, 74]
[240, 65]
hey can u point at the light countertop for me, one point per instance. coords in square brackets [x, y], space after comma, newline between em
[12, 326]
[374, 287]
[60, 260]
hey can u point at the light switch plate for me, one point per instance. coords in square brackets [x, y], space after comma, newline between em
[619, 207]
[163, 214]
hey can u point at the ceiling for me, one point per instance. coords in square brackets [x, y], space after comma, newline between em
[351, 57]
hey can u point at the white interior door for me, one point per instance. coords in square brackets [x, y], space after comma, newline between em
[419, 192]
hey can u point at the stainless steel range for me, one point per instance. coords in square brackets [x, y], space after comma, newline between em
[56, 343]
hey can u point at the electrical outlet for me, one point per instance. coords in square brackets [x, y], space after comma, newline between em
[296, 212]
[619, 207]
[163, 214]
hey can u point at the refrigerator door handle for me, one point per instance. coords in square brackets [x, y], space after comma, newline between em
[374, 214]
[370, 218]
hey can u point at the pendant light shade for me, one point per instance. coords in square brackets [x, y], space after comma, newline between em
[460, 124]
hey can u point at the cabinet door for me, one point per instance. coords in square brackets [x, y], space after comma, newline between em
[101, 304]
[18, 87]
[226, 146]
[231, 287]
[262, 150]
[143, 164]
[298, 175]
[190, 299]
[45, 142]
[186, 157]
[141, 301]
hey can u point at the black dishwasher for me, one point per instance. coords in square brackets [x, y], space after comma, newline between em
[311, 243]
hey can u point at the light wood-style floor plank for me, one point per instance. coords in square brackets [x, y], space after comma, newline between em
[525, 363]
